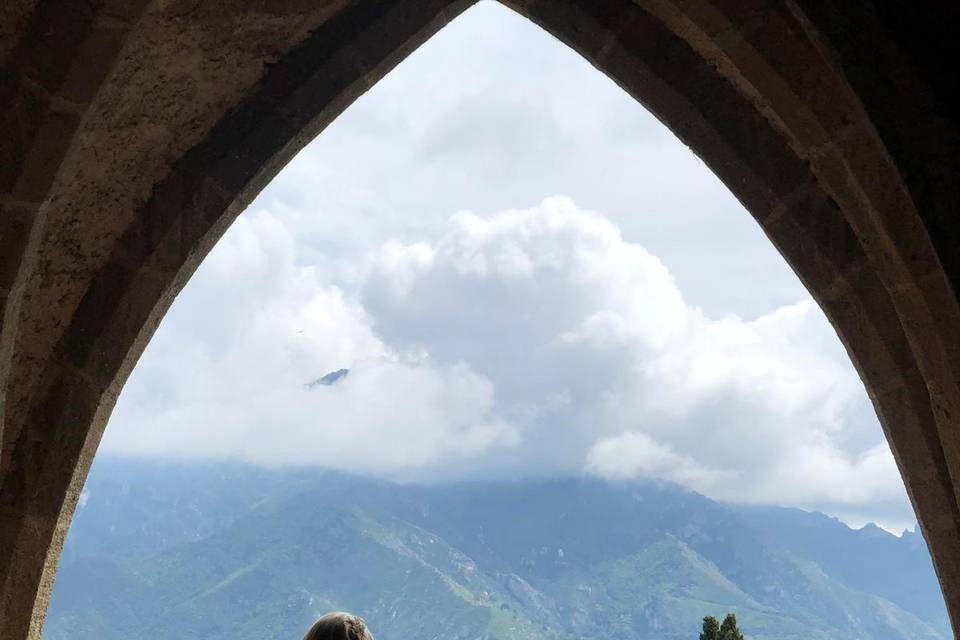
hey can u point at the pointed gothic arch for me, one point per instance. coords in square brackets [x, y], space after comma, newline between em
[135, 131]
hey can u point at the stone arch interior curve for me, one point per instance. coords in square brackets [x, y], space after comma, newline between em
[199, 109]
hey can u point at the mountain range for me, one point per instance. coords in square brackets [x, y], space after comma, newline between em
[165, 550]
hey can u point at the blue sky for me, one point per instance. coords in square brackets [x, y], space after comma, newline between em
[527, 275]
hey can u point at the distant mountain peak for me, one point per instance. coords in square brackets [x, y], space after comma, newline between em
[873, 531]
[329, 379]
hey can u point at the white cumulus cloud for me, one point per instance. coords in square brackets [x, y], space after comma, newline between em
[227, 375]
[527, 342]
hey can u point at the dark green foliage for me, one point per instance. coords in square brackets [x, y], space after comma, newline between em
[729, 630]
[711, 629]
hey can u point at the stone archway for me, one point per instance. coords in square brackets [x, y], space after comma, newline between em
[135, 131]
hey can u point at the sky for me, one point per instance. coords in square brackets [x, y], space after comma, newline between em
[527, 275]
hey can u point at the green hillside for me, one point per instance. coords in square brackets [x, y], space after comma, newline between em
[211, 552]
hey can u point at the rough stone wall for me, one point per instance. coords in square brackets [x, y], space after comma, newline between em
[138, 129]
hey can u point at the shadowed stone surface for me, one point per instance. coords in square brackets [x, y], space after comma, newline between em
[136, 130]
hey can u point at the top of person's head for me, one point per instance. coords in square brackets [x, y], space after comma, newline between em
[339, 626]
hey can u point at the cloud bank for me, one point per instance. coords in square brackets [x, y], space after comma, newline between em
[665, 338]
[529, 342]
